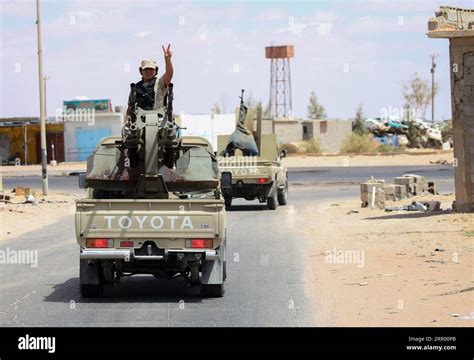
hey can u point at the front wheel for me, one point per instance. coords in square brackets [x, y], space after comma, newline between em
[212, 290]
[283, 196]
[91, 290]
[228, 201]
[224, 274]
[272, 197]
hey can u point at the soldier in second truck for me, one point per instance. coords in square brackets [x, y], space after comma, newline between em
[257, 167]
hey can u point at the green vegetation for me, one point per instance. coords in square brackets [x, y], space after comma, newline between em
[359, 144]
[311, 146]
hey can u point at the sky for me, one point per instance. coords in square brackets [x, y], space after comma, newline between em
[347, 52]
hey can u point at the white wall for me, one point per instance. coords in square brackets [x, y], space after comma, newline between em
[208, 126]
[112, 121]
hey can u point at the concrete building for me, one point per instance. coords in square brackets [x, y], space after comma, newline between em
[20, 140]
[457, 25]
[85, 123]
[287, 130]
[209, 126]
[330, 133]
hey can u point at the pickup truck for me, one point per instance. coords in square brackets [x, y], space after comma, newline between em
[122, 233]
[263, 177]
[166, 238]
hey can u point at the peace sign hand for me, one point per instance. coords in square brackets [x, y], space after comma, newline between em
[166, 52]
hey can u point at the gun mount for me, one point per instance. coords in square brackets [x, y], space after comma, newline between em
[150, 160]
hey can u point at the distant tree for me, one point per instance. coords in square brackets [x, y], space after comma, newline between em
[315, 109]
[249, 101]
[359, 122]
[417, 94]
[216, 109]
[252, 103]
[447, 131]
[413, 135]
[267, 112]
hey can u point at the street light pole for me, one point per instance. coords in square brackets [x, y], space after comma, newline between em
[46, 77]
[44, 154]
[433, 66]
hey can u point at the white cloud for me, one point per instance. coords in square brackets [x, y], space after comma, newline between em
[273, 14]
[143, 34]
[308, 29]
[15, 8]
[208, 43]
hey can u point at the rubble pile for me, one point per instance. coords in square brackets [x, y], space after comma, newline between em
[374, 192]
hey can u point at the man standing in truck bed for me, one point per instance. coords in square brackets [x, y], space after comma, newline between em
[150, 91]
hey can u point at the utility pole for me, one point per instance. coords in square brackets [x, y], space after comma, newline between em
[433, 66]
[44, 154]
[46, 77]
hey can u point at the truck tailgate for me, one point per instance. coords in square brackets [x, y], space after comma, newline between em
[148, 218]
[244, 172]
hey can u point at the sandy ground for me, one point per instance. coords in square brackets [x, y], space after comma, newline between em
[62, 169]
[17, 218]
[418, 157]
[374, 268]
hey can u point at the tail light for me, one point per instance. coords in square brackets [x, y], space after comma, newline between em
[126, 244]
[99, 243]
[199, 243]
[262, 180]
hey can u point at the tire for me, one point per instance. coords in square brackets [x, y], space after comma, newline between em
[272, 199]
[228, 201]
[283, 197]
[91, 290]
[212, 290]
[224, 275]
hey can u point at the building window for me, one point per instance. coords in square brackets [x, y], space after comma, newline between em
[323, 127]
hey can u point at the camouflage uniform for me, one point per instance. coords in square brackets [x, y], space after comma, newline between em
[155, 88]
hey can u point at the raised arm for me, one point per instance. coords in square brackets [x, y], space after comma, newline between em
[168, 65]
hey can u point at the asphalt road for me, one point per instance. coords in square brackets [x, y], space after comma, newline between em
[265, 286]
[333, 176]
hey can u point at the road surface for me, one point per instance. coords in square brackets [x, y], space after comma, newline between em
[266, 283]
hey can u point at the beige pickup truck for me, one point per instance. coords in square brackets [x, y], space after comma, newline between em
[182, 235]
[263, 177]
[166, 238]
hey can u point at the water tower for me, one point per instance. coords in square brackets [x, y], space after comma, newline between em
[280, 80]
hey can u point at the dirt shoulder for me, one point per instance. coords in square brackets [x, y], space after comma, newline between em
[373, 268]
[62, 169]
[412, 158]
[18, 218]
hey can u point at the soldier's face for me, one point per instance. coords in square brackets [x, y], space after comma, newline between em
[148, 73]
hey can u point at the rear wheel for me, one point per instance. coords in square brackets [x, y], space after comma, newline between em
[91, 278]
[228, 201]
[283, 196]
[272, 198]
[212, 290]
[91, 290]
